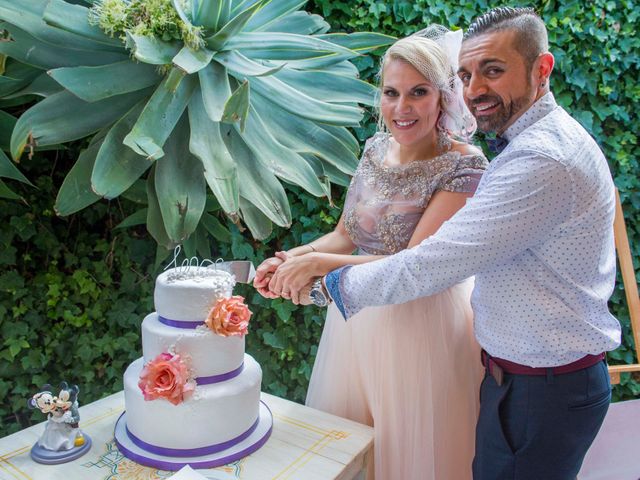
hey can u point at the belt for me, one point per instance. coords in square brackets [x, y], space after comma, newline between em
[497, 367]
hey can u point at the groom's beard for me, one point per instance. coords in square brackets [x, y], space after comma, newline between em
[497, 121]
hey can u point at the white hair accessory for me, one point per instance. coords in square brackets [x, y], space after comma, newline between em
[457, 119]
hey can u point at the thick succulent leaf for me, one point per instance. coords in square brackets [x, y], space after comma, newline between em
[9, 85]
[325, 85]
[203, 247]
[9, 170]
[137, 218]
[345, 68]
[236, 109]
[75, 192]
[63, 117]
[137, 192]
[155, 224]
[117, 167]
[316, 164]
[282, 161]
[259, 185]
[239, 5]
[180, 185]
[6, 192]
[28, 16]
[27, 49]
[302, 135]
[151, 50]
[215, 228]
[361, 42]
[96, 83]
[181, 13]
[303, 105]
[212, 203]
[259, 224]
[195, 7]
[7, 122]
[160, 115]
[242, 65]
[19, 70]
[192, 61]
[189, 246]
[75, 19]
[212, 14]
[13, 102]
[197, 243]
[215, 88]
[335, 175]
[271, 12]
[302, 23]
[206, 144]
[233, 26]
[42, 86]
[345, 136]
[297, 50]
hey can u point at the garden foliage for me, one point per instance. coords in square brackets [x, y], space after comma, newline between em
[74, 291]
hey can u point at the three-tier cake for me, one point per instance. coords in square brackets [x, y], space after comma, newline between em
[194, 396]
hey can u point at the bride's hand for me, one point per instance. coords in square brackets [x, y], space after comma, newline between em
[264, 273]
[293, 275]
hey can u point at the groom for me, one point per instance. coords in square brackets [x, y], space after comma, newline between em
[538, 237]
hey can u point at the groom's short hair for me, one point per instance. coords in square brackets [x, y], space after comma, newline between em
[531, 34]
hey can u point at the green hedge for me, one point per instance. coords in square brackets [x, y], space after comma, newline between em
[73, 291]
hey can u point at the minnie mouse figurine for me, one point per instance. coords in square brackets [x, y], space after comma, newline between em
[62, 440]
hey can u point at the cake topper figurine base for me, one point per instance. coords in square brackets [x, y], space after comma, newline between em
[62, 440]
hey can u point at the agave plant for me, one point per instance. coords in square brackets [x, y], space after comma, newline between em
[237, 96]
[13, 78]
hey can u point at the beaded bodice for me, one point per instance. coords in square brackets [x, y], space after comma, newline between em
[385, 203]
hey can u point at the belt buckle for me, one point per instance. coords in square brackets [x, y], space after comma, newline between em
[496, 372]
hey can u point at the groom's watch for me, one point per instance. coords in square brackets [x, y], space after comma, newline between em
[318, 293]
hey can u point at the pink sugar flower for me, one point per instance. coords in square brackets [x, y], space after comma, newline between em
[166, 376]
[229, 317]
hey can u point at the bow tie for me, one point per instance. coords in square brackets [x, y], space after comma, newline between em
[498, 144]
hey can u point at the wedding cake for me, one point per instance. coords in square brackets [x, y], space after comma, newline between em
[194, 396]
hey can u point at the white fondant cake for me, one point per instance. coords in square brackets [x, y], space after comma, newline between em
[210, 354]
[220, 408]
[214, 415]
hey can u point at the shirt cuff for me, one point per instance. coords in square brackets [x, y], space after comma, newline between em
[332, 284]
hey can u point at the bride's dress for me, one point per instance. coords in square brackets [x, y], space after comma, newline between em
[412, 370]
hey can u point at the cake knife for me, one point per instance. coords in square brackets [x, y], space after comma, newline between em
[243, 270]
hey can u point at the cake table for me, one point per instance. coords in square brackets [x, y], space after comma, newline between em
[305, 444]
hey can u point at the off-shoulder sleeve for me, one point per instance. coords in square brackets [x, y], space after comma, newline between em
[465, 175]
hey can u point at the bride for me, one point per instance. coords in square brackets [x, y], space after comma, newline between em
[412, 370]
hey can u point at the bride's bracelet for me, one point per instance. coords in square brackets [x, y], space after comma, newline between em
[311, 247]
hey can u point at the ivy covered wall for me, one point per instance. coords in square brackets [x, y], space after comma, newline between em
[73, 291]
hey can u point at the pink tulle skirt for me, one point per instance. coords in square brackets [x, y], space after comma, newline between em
[411, 371]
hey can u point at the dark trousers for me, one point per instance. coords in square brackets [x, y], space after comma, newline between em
[539, 427]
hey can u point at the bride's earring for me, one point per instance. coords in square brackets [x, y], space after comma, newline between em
[444, 142]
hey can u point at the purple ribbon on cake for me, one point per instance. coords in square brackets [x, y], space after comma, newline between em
[179, 323]
[220, 378]
[192, 452]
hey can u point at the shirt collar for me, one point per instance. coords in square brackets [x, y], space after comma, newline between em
[537, 111]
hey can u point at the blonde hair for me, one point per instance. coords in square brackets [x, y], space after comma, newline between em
[430, 59]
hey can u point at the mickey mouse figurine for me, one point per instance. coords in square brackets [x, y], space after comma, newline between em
[62, 440]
